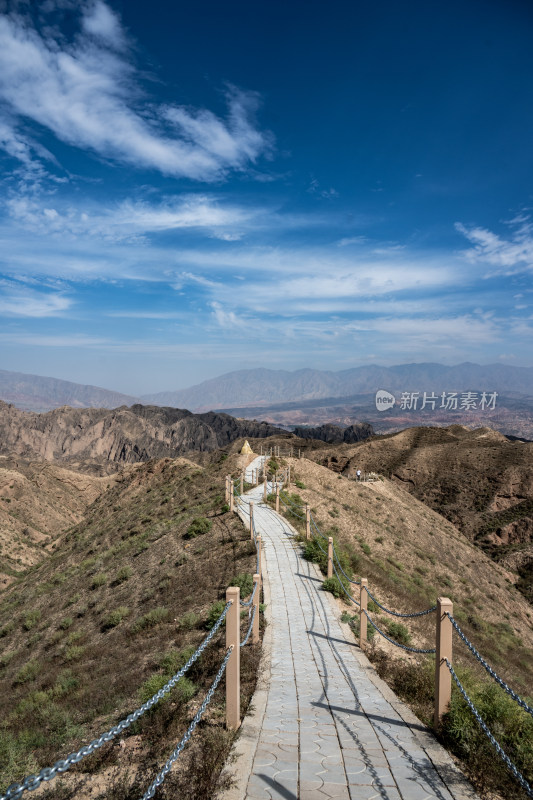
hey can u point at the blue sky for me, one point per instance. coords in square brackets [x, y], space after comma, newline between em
[192, 189]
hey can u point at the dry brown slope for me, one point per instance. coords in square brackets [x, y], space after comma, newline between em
[414, 555]
[117, 603]
[37, 502]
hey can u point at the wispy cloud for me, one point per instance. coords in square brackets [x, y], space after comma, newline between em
[20, 301]
[510, 256]
[87, 93]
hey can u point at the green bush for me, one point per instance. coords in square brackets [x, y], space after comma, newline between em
[66, 623]
[334, 586]
[31, 619]
[198, 527]
[299, 484]
[245, 582]
[28, 672]
[115, 617]
[511, 726]
[398, 632]
[214, 613]
[124, 574]
[189, 620]
[174, 660]
[151, 619]
[99, 580]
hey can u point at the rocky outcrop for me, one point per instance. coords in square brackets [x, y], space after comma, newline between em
[334, 434]
[124, 435]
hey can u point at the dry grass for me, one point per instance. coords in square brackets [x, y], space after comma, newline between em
[84, 630]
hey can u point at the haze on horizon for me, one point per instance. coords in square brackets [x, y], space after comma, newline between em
[187, 192]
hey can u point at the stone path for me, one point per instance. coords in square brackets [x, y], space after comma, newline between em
[327, 730]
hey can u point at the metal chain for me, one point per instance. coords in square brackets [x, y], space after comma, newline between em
[319, 545]
[489, 669]
[251, 600]
[249, 629]
[344, 588]
[30, 783]
[317, 529]
[358, 583]
[503, 755]
[392, 641]
[396, 614]
[197, 717]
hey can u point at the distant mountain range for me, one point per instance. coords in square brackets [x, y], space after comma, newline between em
[264, 387]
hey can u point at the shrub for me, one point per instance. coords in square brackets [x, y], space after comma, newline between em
[188, 621]
[198, 527]
[398, 631]
[334, 586]
[28, 672]
[99, 580]
[74, 653]
[151, 619]
[184, 690]
[115, 617]
[174, 660]
[66, 623]
[124, 574]
[245, 582]
[365, 548]
[31, 619]
[299, 484]
[214, 613]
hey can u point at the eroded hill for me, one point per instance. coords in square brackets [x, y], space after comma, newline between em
[477, 479]
[122, 435]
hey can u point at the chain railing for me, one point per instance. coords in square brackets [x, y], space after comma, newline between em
[250, 626]
[489, 669]
[16, 790]
[393, 641]
[197, 717]
[396, 613]
[499, 749]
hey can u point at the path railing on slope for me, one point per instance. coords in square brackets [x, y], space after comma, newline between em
[16, 790]
[444, 671]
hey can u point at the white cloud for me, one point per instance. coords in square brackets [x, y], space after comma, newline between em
[86, 94]
[23, 303]
[509, 256]
[228, 319]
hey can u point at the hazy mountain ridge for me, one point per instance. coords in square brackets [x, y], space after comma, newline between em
[123, 435]
[262, 387]
[38, 393]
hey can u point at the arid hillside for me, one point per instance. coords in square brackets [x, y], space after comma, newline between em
[122, 435]
[103, 621]
[411, 555]
[38, 501]
[477, 479]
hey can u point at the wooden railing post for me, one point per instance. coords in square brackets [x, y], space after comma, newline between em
[242, 483]
[255, 626]
[363, 600]
[307, 521]
[259, 554]
[277, 497]
[330, 557]
[231, 495]
[227, 488]
[265, 489]
[233, 667]
[443, 650]
[289, 476]
[251, 519]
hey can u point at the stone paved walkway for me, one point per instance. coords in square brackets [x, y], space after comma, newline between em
[327, 730]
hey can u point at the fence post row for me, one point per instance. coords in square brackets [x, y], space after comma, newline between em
[330, 557]
[363, 600]
[443, 651]
[257, 590]
[233, 668]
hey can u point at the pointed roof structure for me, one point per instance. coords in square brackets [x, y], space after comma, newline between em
[246, 449]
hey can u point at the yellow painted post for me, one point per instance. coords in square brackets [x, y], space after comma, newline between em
[443, 647]
[233, 668]
[277, 498]
[231, 495]
[363, 600]
[251, 519]
[307, 521]
[255, 626]
[330, 556]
